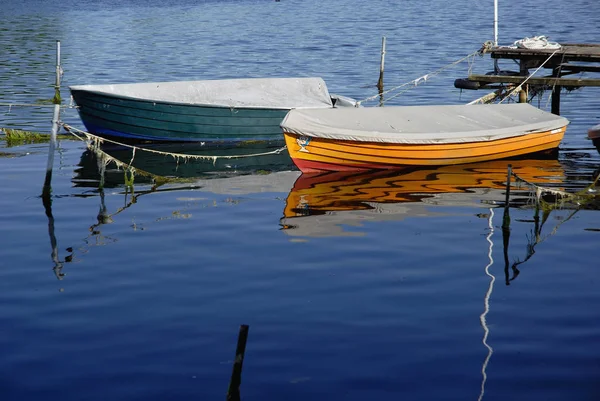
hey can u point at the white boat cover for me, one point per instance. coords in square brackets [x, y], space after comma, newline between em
[422, 124]
[272, 93]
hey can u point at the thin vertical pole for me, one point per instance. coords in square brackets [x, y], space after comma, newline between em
[495, 22]
[381, 67]
[496, 67]
[55, 121]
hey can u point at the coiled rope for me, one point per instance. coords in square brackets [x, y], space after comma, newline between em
[536, 42]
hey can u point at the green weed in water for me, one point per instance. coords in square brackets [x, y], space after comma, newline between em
[17, 137]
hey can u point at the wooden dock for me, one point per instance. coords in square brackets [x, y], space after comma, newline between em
[569, 59]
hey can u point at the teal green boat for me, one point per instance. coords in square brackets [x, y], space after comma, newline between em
[199, 111]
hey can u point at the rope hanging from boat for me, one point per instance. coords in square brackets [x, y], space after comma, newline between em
[71, 105]
[417, 81]
[95, 141]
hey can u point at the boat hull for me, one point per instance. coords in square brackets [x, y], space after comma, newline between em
[311, 154]
[133, 119]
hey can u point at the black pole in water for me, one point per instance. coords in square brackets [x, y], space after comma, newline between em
[555, 108]
[233, 393]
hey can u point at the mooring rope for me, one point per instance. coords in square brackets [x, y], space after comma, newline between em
[62, 106]
[99, 140]
[417, 81]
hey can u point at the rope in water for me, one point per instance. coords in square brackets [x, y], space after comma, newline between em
[96, 140]
[417, 81]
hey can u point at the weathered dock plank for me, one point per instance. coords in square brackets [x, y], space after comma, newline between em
[566, 54]
[550, 81]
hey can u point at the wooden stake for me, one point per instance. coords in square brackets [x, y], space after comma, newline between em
[381, 66]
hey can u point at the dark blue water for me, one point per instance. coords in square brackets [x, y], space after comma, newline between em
[406, 289]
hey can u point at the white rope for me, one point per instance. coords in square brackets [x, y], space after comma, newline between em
[518, 88]
[11, 105]
[486, 302]
[99, 140]
[415, 82]
[536, 42]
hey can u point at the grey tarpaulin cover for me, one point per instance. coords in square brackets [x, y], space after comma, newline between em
[422, 124]
[272, 93]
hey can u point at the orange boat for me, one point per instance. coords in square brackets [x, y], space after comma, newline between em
[320, 204]
[349, 139]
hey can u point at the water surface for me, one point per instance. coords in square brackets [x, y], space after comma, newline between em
[375, 286]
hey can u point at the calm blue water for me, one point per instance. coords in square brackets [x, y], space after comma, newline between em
[404, 289]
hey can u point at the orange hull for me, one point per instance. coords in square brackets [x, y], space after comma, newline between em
[312, 154]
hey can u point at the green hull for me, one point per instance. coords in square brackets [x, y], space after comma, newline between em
[114, 116]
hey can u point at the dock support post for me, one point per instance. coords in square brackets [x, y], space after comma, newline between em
[381, 67]
[233, 392]
[556, 94]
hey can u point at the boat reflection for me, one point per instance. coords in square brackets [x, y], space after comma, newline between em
[157, 163]
[240, 169]
[322, 204]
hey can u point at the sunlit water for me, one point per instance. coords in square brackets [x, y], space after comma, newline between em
[407, 288]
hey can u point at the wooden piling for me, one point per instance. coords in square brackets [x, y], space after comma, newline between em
[233, 392]
[381, 66]
[555, 108]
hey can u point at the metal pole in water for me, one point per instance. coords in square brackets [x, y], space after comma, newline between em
[495, 22]
[55, 120]
[496, 68]
[381, 67]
